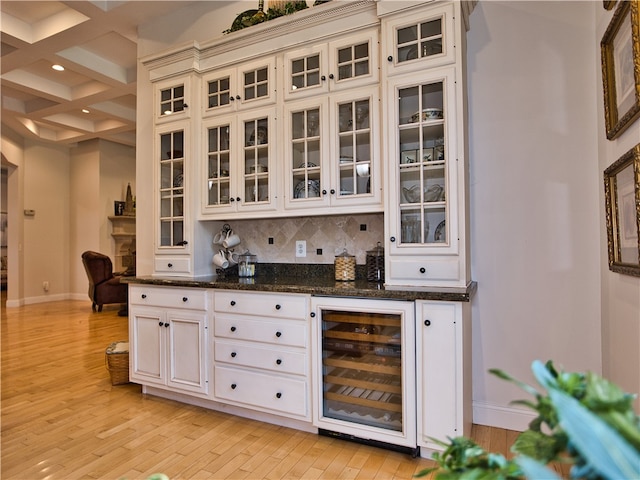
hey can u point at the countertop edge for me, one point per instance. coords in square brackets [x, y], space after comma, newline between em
[320, 287]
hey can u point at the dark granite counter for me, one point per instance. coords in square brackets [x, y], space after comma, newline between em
[310, 279]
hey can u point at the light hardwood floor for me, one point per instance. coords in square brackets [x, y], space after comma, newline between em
[62, 418]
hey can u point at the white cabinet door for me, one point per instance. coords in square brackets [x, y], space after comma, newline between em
[239, 169]
[172, 99]
[418, 38]
[347, 62]
[172, 192]
[332, 155]
[186, 351]
[444, 379]
[168, 337]
[250, 85]
[147, 346]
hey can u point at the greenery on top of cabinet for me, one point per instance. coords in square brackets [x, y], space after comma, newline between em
[255, 16]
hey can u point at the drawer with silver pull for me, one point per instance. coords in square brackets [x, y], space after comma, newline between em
[169, 297]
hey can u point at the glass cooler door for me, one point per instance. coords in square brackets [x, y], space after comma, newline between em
[367, 370]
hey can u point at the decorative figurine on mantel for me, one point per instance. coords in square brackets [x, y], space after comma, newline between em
[128, 204]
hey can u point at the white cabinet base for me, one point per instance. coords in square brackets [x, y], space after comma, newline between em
[231, 409]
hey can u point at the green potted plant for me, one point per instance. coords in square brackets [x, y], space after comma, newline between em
[582, 419]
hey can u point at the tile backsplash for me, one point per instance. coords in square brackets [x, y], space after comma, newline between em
[330, 234]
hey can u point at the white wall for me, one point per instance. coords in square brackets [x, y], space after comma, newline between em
[534, 191]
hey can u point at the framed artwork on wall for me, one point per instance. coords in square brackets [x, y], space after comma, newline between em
[620, 55]
[622, 203]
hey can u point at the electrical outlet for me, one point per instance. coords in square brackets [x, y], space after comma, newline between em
[45, 286]
[301, 248]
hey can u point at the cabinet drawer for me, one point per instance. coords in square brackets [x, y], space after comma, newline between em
[172, 265]
[264, 304]
[254, 389]
[287, 332]
[416, 269]
[191, 298]
[275, 359]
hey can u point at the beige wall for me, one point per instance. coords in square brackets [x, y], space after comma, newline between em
[72, 190]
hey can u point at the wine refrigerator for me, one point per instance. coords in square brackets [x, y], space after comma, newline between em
[364, 371]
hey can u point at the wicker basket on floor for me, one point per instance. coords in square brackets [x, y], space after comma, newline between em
[117, 362]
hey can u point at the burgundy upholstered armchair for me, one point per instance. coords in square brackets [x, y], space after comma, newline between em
[104, 286]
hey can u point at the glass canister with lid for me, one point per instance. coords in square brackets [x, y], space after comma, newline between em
[247, 264]
[375, 264]
[345, 267]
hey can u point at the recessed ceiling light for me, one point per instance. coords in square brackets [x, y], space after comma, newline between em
[84, 110]
[58, 68]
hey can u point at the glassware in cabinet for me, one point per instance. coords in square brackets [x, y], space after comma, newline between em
[238, 163]
[422, 166]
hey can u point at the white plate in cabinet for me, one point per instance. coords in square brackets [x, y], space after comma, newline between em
[262, 304]
[274, 359]
[422, 269]
[175, 265]
[190, 298]
[264, 392]
[289, 333]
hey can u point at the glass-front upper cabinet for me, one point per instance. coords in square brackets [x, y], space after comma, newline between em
[172, 99]
[249, 85]
[423, 200]
[349, 62]
[171, 158]
[414, 42]
[332, 155]
[238, 168]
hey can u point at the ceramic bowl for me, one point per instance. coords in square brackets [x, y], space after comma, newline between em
[427, 114]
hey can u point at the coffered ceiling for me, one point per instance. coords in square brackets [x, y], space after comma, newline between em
[95, 42]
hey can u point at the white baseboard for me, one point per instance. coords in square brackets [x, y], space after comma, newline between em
[509, 418]
[47, 298]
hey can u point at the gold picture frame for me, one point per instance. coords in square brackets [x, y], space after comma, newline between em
[622, 203]
[620, 55]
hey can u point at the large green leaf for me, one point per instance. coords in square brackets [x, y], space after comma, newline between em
[535, 470]
[599, 444]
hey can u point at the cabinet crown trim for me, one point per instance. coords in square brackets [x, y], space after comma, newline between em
[273, 36]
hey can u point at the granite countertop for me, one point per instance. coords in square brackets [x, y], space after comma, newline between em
[310, 279]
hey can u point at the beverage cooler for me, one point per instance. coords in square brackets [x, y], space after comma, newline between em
[364, 371]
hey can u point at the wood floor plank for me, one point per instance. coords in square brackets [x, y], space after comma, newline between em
[62, 418]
